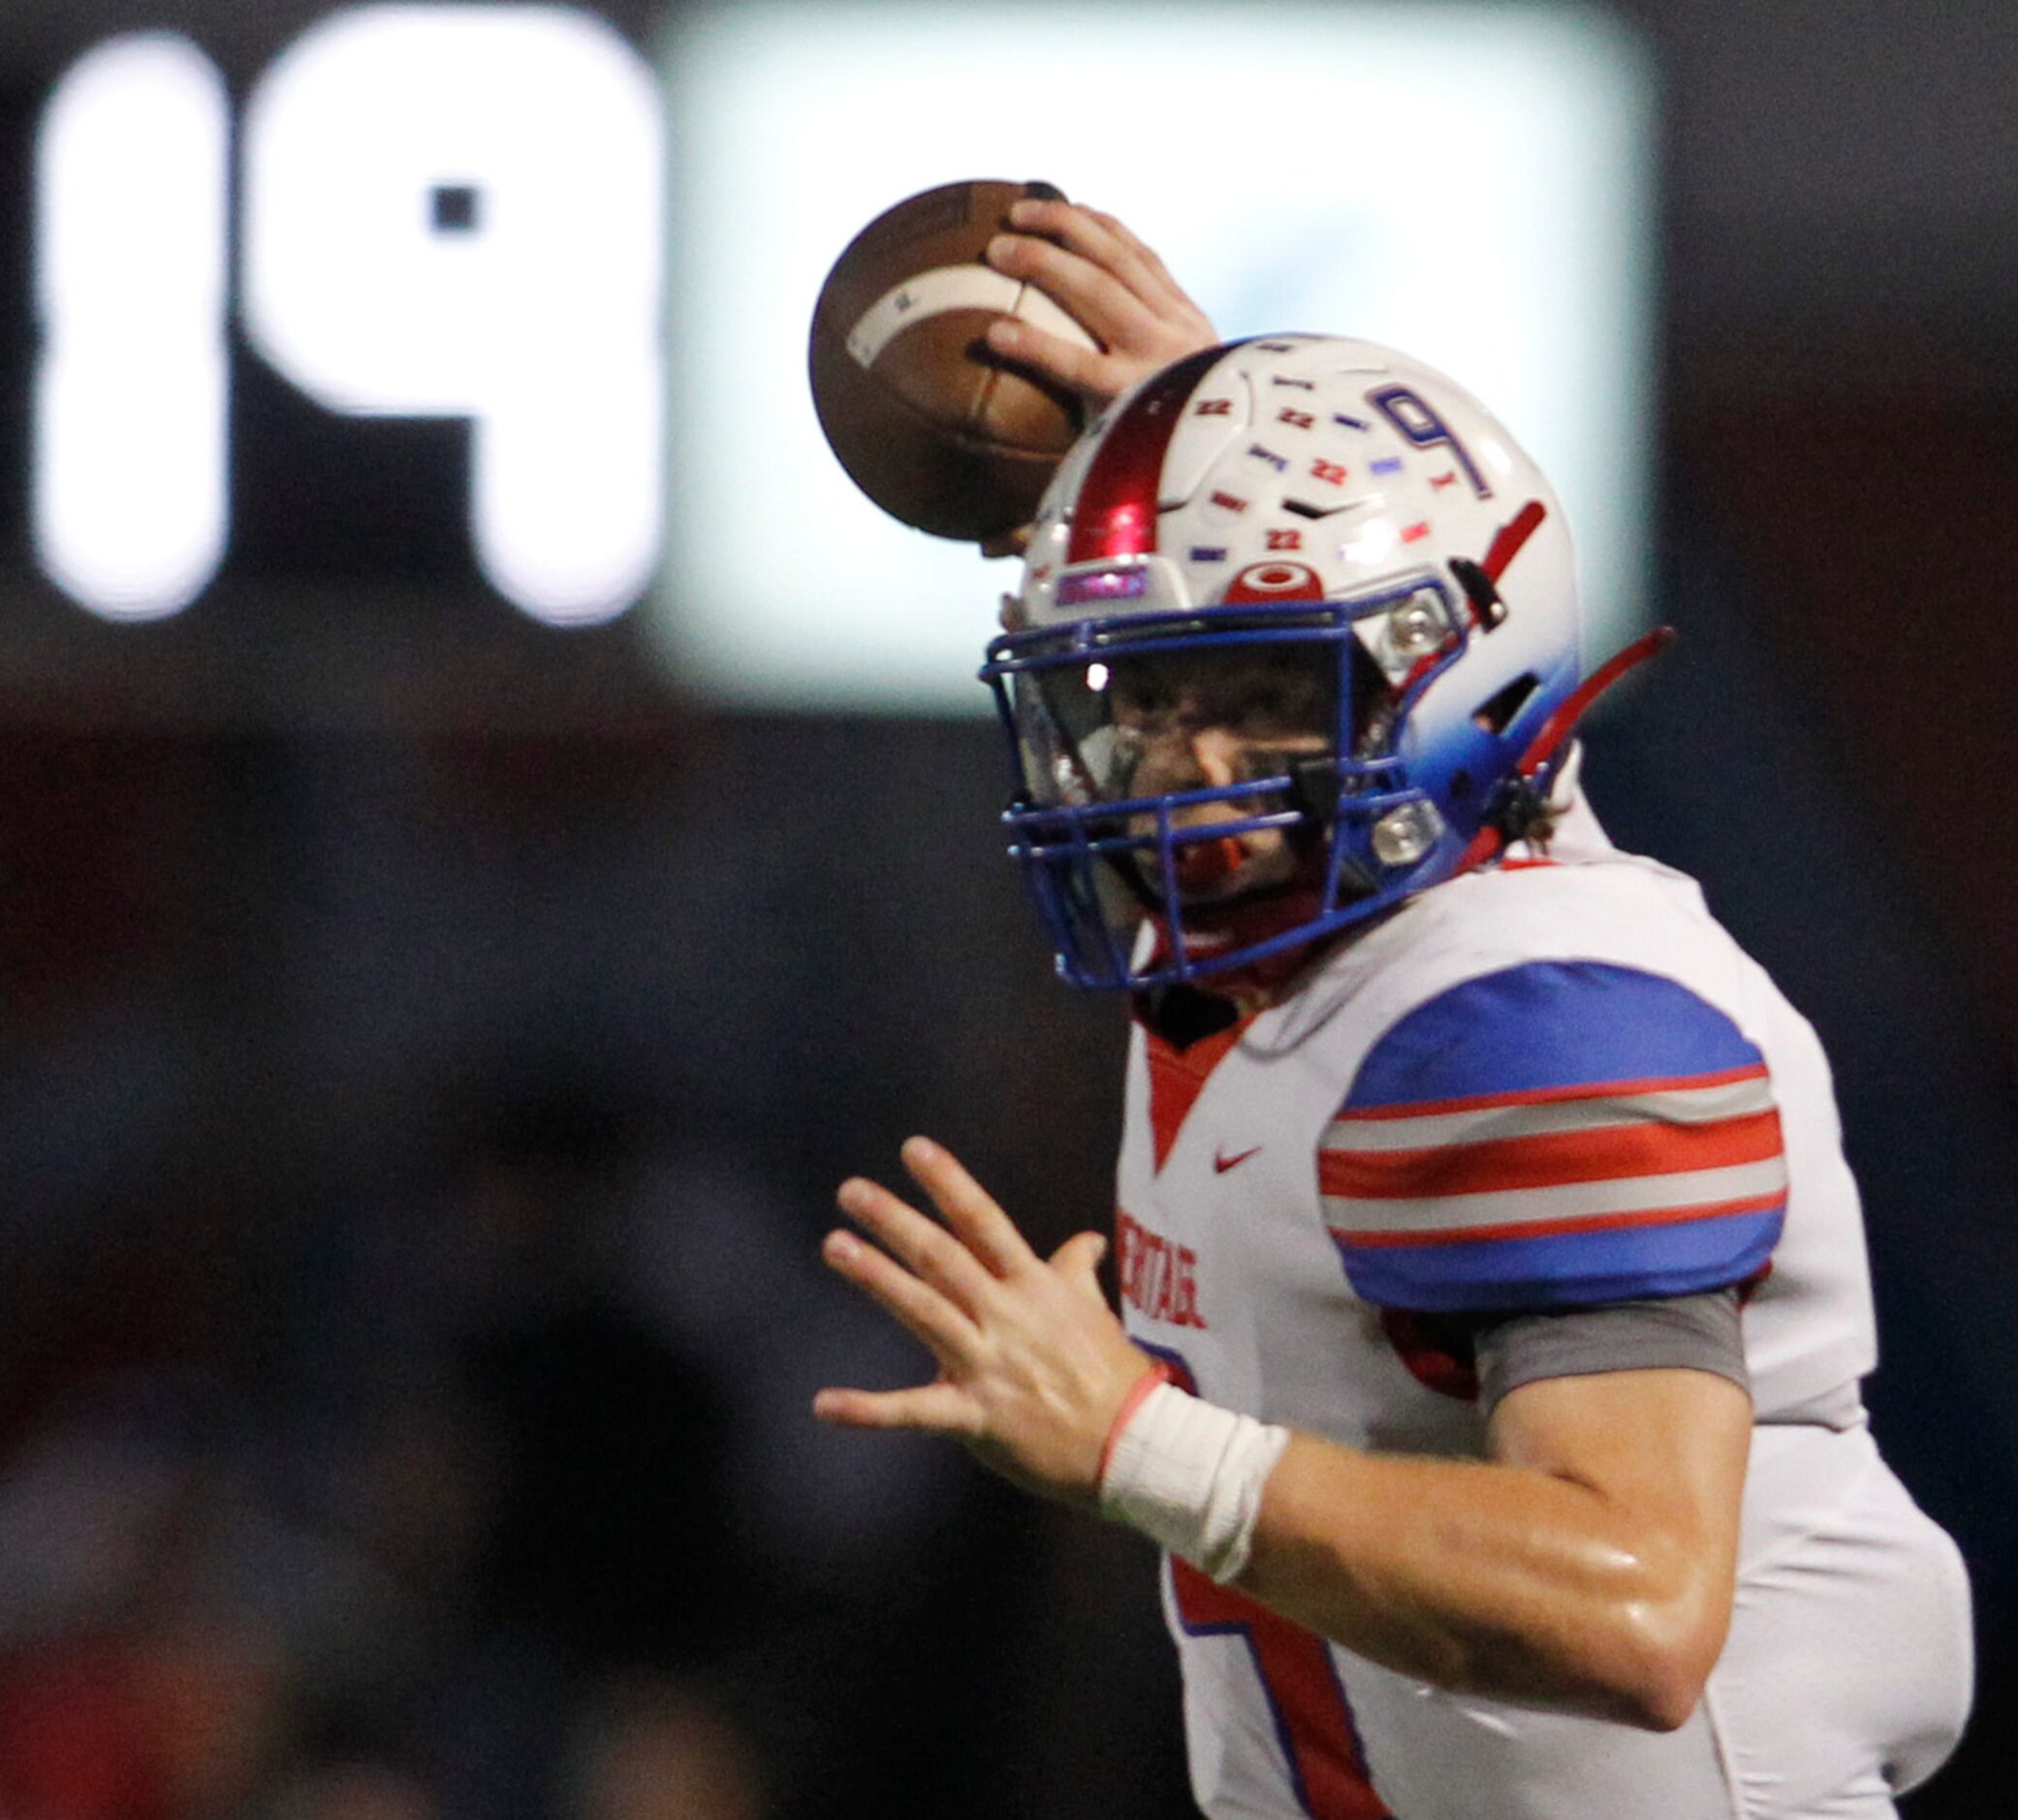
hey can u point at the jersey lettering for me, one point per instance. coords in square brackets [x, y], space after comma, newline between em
[1156, 1276]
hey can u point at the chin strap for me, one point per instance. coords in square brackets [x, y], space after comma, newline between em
[1522, 802]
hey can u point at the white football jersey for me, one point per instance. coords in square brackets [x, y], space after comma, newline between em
[1553, 1083]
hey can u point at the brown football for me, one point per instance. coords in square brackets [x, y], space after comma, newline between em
[935, 427]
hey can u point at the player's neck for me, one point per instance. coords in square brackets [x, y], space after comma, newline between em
[1183, 1015]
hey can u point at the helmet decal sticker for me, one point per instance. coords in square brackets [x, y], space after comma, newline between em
[1274, 580]
[1417, 420]
[1102, 584]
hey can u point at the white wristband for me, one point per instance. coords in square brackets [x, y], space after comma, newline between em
[1188, 1475]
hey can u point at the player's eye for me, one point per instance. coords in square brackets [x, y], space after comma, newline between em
[1256, 708]
[1134, 696]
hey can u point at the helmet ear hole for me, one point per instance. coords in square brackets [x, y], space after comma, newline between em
[1499, 711]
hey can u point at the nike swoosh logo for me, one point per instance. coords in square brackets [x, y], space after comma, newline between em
[1222, 1162]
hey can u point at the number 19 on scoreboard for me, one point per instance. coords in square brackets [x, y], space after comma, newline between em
[444, 211]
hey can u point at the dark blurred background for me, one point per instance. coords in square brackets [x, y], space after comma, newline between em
[427, 1046]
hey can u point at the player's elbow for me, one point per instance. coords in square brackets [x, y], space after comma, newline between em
[1666, 1648]
[1661, 1702]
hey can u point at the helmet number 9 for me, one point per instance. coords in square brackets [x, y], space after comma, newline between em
[1417, 420]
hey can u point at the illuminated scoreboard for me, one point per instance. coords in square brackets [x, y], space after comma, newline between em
[442, 212]
[503, 306]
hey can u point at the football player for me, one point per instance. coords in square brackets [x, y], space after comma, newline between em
[1494, 1287]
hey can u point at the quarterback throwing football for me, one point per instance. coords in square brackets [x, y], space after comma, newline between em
[1493, 1288]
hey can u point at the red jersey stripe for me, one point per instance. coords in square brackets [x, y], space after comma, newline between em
[1549, 1159]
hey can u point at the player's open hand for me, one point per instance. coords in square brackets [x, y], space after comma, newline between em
[1112, 284]
[1034, 1366]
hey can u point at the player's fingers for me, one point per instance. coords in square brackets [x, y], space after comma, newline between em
[1137, 336]
[1164, 310]
[1067, 224]
[1076, 367]
[1110, 242]
[971, 1211]
[923, 1245]
[916, 1305]
[940, 1408]
[1149, 259]
[1093, 297]
[1098, 238]
[1078, 1262]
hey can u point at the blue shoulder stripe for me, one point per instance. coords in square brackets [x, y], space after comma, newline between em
[1564, 1269]
[1548, 1024]
[1553, 1135]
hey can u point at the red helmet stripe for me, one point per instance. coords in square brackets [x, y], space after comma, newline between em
[1115, 512]
[1506, 545]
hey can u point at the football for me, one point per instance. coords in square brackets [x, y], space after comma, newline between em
[931, 424]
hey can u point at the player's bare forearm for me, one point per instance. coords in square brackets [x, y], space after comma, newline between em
[1588, 1567]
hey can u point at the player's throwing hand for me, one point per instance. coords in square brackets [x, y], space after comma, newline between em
[1112, 284]
[1033, 1366]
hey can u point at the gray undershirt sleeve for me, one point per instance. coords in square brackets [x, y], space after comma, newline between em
[1697, 1332]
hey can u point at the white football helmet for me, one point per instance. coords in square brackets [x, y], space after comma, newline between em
[1383, 582]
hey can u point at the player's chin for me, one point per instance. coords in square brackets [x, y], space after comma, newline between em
[1231, 926]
